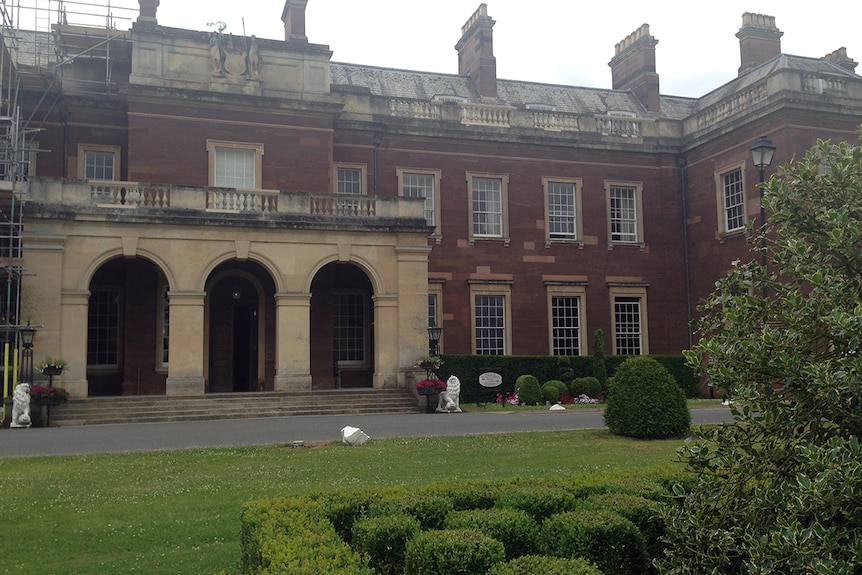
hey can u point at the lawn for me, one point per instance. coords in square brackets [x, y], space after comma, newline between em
[178, 511]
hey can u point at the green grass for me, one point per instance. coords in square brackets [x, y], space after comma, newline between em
[179, 512]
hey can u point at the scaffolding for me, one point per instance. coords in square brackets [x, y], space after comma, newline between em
[38, 41]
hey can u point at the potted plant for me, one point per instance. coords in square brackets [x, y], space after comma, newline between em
[52, 366]
[431, 362]
[430, 386]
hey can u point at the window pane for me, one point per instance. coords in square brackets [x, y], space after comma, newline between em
[561, 210]
[566, 322]
[234, 168]
[490, 328]
[166, 325]
[627, 317]
[99, 165]
[734, 201]
[487, 207]
[432, 310]
[349, 181]
[623, 215]
[349, 327]
[103, 327]
[420, 186]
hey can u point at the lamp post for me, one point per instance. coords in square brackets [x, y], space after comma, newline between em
[434, 333]
[761, 156]
[28, 334]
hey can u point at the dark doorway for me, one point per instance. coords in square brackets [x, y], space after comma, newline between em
[233, 349]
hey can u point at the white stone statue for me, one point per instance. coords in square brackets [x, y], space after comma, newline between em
[448, 400]
[21, 406]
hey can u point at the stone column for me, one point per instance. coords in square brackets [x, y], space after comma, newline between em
[293, 342]
[73, 345]
[386, 341]
[186, 353]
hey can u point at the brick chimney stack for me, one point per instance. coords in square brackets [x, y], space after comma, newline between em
[476, 52]
[841, 58]
[633, 67]
[147, 11]
[293, 17]
[759, 41]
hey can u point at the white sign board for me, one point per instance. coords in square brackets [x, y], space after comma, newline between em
[490, 379]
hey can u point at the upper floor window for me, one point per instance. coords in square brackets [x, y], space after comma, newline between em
[488, 206]
[563, 219]
[98, 162]
[235, 164]
[731, 200]
[625, 207]
[350, 179]
[422, 184]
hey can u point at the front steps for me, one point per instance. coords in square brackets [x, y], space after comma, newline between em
[156, 408]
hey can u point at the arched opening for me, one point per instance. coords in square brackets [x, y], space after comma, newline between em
[342, 328]
[128, 321]
[241, 329]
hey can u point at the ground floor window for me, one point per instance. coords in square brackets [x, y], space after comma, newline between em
[627, 325]
[349, 327]
[103, 327]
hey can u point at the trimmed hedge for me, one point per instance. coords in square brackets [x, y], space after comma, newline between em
[381, 530]
[544, 368]
[540, 564]
[608, 539]
[514, 528]
[452, 552]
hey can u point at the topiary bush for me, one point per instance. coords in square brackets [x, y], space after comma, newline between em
[646, 514]
[384, 539]
[452, 552]
[539, 564]
[646, 402]
[590, 386]
[529, 392]
[514, 528]
[550, 392]
[599, 535]
[429, 510]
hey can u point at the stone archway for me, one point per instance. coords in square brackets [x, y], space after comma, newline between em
[127, 329]
[240, 329]
[342, 328]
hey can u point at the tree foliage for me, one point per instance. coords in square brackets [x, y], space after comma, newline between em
[780, 490]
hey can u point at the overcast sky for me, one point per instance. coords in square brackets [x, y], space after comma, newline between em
[550, 41]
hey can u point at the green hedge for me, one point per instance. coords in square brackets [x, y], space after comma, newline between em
[540, 564]
[397, 530]
[544, 368]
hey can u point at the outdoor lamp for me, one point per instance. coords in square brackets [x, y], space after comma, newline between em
[761, 156]
[434, 338]
[28, 334]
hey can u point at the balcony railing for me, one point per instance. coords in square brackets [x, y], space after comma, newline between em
[135, 196]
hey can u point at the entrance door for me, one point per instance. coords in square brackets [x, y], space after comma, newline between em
[233, 348]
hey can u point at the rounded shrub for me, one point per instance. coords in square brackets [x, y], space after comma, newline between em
[384, 540]
[610, 540]
[550, 393]
[452, 552]
[430, 510]
[534, 564]
[528, 390]
[514, 528]
[646, 402]
[645, 513]
[559, 384]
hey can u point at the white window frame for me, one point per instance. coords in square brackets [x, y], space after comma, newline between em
[634, 292]
[569, 291]
[214, 145]
[721, 196]
[432, 204]
[638, 236]
[84, 149]
[503, 290]
[363, 178]
[551, 213]
[503, 213]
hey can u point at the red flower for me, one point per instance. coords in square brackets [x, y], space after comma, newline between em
[434, 384]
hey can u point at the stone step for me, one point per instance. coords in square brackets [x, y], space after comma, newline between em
[143, 409]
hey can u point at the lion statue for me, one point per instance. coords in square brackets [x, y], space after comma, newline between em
[448, 400]
[21, 406]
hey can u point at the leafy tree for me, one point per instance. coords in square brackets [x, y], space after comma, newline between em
[780, 491]
[600, 370]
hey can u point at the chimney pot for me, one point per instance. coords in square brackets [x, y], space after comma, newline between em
[476, 52]
[293, 17]
[759, 41]
[633, 67]
[841, 58]
[147, 11]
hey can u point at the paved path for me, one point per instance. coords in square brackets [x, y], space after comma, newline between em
[282, 430]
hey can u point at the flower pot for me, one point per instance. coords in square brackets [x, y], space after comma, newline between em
[52, 370]
[428, 391]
